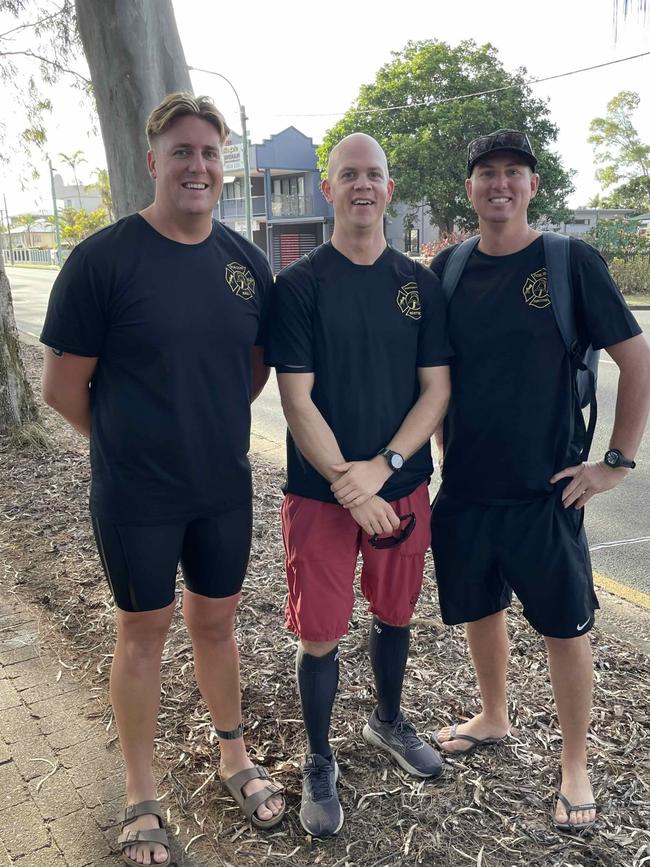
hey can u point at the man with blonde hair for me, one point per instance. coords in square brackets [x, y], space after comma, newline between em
[153, 336]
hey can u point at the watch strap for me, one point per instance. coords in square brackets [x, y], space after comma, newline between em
[621, 461]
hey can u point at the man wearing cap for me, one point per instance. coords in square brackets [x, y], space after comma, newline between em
[358, 338]
[509, 514]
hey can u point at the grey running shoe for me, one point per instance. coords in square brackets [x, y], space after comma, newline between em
[400, 739]
[320, 811]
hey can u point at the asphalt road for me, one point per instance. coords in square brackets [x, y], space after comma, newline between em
[618, 522]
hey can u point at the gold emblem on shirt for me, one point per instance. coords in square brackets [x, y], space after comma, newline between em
[240, 280]
[536, 290]
[408, 301]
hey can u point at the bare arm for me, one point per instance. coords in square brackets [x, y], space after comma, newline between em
[260, 372]
[633, 395]
[362, 479]
[632, 406]
[66, 386]
[439, 439]
[310, 431]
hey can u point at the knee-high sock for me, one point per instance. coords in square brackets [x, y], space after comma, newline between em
[318, 680]
[389, 650]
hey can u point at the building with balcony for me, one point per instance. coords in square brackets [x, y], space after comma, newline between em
[289, 214]
[82, 197]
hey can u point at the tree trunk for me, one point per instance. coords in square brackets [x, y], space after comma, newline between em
[17, 404]
[135, 57]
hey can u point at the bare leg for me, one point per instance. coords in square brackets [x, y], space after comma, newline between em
[211, 625]
[571, 668]
[135, 695]
[488, 645]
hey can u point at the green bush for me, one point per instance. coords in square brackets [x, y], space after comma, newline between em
[633, 276]
[618, 239]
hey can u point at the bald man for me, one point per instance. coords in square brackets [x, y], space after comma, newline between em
[359, 341]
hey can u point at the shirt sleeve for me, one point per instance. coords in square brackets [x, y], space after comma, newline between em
[439, 262]
[603, 318]
[434, 348]
[289, 347]
[77, 312]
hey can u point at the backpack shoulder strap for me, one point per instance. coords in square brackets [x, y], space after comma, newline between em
[560, 288]
[455, 265]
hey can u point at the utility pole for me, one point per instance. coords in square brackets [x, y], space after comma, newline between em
[247, 175]
[248, 204]
[55, 211]
[11, 249]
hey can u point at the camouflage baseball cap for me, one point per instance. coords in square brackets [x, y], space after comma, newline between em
[501, 140]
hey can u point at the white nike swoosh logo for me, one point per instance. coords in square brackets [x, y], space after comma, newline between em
[580, 628]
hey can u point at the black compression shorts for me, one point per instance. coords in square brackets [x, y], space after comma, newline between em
[141, 562]
[538, 549]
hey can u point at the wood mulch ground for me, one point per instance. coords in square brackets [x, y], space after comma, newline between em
[491, 809]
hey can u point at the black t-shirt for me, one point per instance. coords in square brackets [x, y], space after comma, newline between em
[173, 326]
[511, 420]
[363, 331]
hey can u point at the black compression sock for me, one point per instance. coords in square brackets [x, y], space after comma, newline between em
[318, 680]
[389, 650]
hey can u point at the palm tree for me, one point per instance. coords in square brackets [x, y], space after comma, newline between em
[73, 161]
[26, 220]
[626, 7]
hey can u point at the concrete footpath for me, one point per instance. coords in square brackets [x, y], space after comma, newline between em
[61, 782]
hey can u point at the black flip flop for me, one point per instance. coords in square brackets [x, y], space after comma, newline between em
[474, 743]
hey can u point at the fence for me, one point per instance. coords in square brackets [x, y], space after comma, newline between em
[36, 257]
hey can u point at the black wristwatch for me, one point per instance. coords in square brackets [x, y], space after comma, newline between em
[615, 458]
[394, 459]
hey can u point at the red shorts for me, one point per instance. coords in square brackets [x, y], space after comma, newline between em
[322, 542]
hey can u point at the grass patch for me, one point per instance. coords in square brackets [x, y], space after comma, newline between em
[41, 266]
[638, 300]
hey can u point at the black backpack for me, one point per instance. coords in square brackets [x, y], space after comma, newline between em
[584, 361]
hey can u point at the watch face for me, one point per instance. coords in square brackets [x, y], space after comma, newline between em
[611, 458]
[396, 461]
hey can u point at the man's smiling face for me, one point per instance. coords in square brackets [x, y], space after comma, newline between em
[501, 187]
[357, 183]
[186, 163]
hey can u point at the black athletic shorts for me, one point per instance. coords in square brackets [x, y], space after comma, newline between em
[538, 549]
[141, 562]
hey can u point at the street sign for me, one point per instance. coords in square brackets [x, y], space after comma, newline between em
[233, 158]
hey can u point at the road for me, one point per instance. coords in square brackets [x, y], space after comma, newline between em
[618, 523]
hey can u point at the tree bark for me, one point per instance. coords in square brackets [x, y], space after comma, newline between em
[17, 405]
[135, 58]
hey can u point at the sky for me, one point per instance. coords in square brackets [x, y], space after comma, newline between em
[299, 63]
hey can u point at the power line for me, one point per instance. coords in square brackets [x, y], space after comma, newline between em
[432, 102]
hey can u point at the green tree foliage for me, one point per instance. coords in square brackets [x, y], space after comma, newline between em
[618, 239]
[624, 158]
[103, 187]
[77, 224]
[631, 194]
[43, 35]
[416, 109]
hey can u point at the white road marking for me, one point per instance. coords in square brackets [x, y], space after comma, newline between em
[618, 542]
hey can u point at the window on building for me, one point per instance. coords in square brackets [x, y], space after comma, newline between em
[233, 190]
[412, 241]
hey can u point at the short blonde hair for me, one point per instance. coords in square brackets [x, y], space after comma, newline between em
[177, 105]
